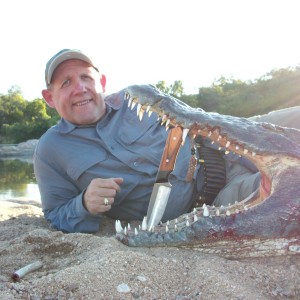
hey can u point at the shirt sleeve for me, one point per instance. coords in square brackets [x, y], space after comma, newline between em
[62, 201]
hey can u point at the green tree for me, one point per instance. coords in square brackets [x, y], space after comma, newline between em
[22, 120]
[11, 107]
[15, 90]
[175, 89]
[36, 110]
[162, 86]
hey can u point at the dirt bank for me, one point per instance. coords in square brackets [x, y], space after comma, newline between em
[83, 266]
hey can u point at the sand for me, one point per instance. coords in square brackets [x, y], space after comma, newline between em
[86, 266]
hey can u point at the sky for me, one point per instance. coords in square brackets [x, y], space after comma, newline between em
[141, 42]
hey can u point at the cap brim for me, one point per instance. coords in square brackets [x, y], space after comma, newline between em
[67, 55]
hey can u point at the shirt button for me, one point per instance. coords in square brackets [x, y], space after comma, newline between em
[135, 163]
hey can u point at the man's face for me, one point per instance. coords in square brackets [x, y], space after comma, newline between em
[74, 93]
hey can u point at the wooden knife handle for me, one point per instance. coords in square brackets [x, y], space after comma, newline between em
[172, 146]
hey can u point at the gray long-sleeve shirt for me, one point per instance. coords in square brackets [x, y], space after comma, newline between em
[68, 157]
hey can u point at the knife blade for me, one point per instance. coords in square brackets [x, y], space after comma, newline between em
[162, 187]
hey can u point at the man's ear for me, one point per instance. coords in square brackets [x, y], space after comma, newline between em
[48, 98]
[103, 82]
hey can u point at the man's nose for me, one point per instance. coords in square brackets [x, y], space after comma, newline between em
[80, 86]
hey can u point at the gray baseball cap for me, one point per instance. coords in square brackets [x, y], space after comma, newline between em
[62, 56]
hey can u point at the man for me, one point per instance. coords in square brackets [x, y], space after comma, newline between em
[101, 159]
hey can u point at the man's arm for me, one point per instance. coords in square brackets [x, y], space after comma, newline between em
[72, 217]
[62, 201]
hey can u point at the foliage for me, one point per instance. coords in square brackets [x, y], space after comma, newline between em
[175, 89]
[275, 90]
[22, 120]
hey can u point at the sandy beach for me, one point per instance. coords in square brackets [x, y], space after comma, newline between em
[86, 266]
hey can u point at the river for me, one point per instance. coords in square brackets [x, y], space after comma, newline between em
[17, 180]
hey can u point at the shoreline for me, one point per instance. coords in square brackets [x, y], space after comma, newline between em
[23, 149]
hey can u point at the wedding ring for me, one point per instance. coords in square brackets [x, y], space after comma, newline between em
[105, 201]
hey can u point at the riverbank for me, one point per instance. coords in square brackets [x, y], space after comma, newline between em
[23, 149]
[85, 266]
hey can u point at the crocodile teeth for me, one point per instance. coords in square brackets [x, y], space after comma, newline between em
[205, 211]
[129, 102]
[144, 224]
[126, 96]
[138, 109]
[118, 226]
[164, 119]
[133, 105]
[141, 114]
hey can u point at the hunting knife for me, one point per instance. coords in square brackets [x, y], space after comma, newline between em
[162, 187]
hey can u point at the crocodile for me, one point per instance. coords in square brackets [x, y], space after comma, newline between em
[265, 224]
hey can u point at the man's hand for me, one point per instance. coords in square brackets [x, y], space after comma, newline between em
[100, 194]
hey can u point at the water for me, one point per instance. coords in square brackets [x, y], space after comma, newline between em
[17, 180]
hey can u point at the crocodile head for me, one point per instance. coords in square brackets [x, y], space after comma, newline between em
[269, 222]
